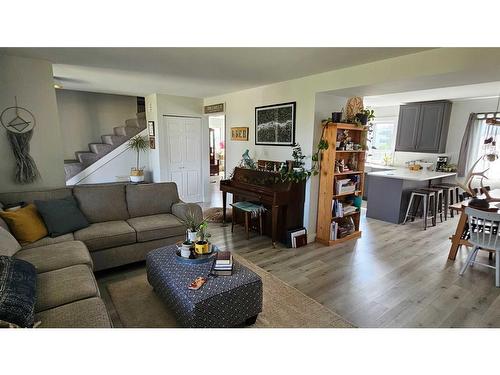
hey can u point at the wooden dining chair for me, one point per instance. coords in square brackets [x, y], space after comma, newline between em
[483, 235]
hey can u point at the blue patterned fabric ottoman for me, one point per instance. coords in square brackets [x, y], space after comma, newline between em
[224, 301]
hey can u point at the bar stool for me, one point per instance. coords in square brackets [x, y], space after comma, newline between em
[426, 197]
[250, 210]
[452, 194]
[438, 202]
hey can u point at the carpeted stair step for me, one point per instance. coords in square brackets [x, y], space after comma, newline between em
[114, 140]
[87, 157]
[132, 122]
[100, 148]
[128, 131]
[72, 168]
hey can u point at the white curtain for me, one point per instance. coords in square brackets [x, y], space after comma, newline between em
[483, 131]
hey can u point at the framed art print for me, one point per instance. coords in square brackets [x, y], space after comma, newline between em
[275, 124]
[239, 134]
[151, 128]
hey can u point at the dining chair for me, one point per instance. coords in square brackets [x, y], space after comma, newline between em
[484, 235]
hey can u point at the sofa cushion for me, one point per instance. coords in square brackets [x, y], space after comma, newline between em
[100, 236]
[151, 199]
[87, 313]
[66, 285]
[50, 241]
[17, 291]
[61, 216]
[25, 224]
[56, 256]
[101, 203]
[8, 244]
[154, 227]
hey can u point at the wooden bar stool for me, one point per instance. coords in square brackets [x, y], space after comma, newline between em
[428, 198]
[250, 210]
[453, 194]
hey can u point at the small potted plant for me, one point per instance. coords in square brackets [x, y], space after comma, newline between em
[138, 144]
[192, 225]
[202, 246]
[364, 116]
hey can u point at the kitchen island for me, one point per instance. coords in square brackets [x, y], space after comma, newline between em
[389, 191]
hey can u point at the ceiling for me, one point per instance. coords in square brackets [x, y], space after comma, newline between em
[197, 72]
[476, 91]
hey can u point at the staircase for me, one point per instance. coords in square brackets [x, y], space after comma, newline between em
[109, 142]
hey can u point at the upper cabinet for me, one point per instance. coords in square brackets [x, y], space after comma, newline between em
[423, 127]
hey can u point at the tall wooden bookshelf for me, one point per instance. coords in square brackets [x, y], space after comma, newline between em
[328, 178]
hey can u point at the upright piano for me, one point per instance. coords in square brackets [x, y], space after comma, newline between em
[284, 201]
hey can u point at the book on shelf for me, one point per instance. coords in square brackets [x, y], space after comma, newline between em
[339, 209]
[333, 230]
[347, 185]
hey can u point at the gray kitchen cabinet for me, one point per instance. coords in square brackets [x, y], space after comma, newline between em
[423, 127]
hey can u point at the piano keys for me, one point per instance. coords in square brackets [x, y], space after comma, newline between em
[284, 201]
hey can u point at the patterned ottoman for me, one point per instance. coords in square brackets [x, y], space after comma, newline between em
[224, 301]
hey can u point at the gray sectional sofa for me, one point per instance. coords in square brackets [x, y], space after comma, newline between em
[126, 222]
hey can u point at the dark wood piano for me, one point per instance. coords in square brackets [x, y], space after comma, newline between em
[283, 200]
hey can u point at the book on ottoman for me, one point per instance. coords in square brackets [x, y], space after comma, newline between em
[223, 265]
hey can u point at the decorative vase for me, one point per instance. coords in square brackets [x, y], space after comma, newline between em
[336, 116]
[201, 247]
[362, 118]
[136, 175]
[191, 236]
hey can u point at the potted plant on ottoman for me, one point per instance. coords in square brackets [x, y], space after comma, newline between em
[138, 144]
[192, 225]
[202, 246]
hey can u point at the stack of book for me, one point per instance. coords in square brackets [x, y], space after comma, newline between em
[223, 265]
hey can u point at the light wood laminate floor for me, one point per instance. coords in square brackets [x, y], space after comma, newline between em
[394, 276]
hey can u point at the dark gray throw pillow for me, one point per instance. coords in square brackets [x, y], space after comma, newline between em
[17, 291]
[61, 216]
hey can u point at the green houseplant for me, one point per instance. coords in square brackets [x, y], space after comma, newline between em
[138, 144]
[192, 224]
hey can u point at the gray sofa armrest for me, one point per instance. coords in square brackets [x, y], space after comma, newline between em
[180, 209]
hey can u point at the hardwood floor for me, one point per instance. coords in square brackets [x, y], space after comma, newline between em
[394, 276]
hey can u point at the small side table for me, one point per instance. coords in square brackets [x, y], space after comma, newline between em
[250, 210]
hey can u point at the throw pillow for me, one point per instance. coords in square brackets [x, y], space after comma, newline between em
[61, 216]
[25, 224]
[8, 244]
[17, 291]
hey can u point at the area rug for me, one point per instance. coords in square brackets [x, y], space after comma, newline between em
[283, 307]
[214, 214]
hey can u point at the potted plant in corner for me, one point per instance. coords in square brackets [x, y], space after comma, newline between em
[138, 144]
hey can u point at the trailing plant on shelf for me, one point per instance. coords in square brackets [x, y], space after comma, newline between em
[138, 144]
[364, 116]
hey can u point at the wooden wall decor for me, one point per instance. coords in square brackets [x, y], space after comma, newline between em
[152, 143]
[239, 134]
[214, 108]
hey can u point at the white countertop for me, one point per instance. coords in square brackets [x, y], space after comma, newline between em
[406, 174]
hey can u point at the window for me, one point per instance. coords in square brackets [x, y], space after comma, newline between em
[491, 132]
[383, 139]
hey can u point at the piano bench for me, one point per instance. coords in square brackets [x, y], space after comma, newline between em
[250, 210]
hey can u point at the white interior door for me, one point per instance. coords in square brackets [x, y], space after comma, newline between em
[184, 142]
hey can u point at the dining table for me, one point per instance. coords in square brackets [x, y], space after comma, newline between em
[458, 239]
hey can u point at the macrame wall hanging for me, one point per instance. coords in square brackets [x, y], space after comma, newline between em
[20, 124]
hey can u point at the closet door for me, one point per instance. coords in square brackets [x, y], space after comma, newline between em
[183, 143]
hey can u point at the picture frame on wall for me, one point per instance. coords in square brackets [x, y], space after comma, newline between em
[275, 124]
[152, 143]
[239, 134]
[151, 128]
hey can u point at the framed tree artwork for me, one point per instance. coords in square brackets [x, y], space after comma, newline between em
[275, 124]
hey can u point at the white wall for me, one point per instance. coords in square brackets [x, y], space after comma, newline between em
[240, 105]
[32, 82]
[85, 116]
